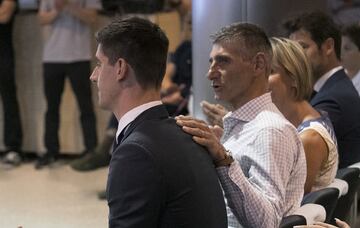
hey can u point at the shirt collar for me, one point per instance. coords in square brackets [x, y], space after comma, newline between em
[321, 81]
[132, 114]
[250, 110]
[356, 78]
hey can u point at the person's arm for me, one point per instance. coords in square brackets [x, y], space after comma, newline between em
[134, 188]
[169, 73]
[316, 152]
[7, 8]
[262, 193]
[86, 15]
[48, 16]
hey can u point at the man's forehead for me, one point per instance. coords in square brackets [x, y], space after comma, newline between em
[300, 34]
[99, 52]
[225, 47]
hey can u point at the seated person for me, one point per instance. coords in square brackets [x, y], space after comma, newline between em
[290, 83]
[350, 53]
[291, 86]
[178, 77]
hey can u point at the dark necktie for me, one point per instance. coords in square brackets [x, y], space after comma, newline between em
[119, 139]
[313, 94]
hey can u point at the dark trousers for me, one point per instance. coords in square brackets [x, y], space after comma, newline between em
[54, 80]
[12, 122]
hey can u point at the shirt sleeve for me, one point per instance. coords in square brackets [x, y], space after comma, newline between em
[257, 199]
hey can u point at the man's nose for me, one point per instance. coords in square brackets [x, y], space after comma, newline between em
[93, 77]
[212, 73]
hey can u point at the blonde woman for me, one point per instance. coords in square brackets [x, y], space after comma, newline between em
[291, 86]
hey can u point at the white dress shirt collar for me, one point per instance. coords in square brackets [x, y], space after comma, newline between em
[321, 81]
[132, 114]
[356, 81]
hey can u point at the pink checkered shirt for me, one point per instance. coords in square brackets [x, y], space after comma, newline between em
[267, 181]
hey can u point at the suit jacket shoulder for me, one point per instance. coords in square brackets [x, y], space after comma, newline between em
[339, 98]
[159, 177]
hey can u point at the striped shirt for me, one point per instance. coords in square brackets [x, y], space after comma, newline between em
[267, 181]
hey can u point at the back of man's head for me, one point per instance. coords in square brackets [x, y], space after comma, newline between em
[141, 43]
[251, 40]
[319, 25]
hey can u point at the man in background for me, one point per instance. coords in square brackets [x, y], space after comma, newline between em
[333, 92]
[12, 122]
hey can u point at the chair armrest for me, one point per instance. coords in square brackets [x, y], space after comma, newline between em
[312, 213]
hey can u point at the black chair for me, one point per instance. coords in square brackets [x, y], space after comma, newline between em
[351, 176]
[292, 220]
[326, 197]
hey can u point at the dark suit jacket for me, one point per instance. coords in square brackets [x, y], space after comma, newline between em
[340, 99]
[159, 177]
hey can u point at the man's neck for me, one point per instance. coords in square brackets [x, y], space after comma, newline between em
[133, 99]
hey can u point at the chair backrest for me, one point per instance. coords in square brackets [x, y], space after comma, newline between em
[292, 220]
[326, 197]
[351, 176]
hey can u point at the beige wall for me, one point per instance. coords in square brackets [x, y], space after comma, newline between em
[28, 47]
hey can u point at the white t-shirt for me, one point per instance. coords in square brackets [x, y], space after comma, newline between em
[69, 38]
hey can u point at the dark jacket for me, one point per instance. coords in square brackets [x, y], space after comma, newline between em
[159, 177]
[340, 99]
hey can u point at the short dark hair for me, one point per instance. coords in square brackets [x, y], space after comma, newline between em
[141, 43]
[353, 32]
[253, 37]
[320, 26]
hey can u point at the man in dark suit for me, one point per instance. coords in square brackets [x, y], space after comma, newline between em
[333, 90]
[158, 176]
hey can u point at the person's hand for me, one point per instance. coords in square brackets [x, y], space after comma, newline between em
[341, 224]
[214, 113]
[203, 135]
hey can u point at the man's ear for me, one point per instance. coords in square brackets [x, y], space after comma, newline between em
[259, 61]
[328, 46]
[122, 68]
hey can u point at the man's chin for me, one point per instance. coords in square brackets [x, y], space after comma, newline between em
[217, 97]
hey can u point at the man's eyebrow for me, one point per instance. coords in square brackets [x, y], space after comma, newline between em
[219, 58]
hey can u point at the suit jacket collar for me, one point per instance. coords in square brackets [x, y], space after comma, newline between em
[156, 112]
[324, 78]
[131, 115]
[337, 76]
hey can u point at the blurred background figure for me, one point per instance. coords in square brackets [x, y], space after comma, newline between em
[12, 122]
[67, 54]
[176, 86]
[350, 53]
[345, 12]
[101, 156]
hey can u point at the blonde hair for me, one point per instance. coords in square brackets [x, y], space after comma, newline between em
[290, 56]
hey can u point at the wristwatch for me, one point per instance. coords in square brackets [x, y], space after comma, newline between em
[226, 161]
